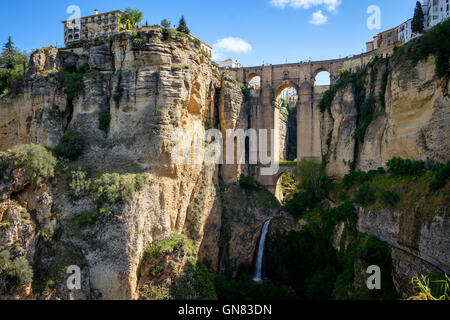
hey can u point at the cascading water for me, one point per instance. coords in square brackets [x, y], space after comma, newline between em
[260, 257]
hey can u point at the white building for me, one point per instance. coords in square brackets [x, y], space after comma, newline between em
[435, 11]
[405, 33]
[229, 64]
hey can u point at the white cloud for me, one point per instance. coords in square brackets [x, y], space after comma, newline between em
[331, 5]
[318, 18]
[234, 45]
[230, 44]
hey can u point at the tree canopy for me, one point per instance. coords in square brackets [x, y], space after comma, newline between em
[130, 19]
[417, 23]
[13, 66]
[165, 23]
[182, 26]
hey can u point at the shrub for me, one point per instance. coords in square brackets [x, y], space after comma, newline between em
[321, 283]
[73, 84]
[70, 146]
[366, 115]
[312, 177]
[104, 120]
[169, 245]
[80, 184]
[301, 202]
[115, 188]
[436, 41]
[18, 271]
[137, 43]
[249, 183]
[360, 177]
[365, 196]
[389, 197]
[196, 283]
[441, 177]
[157, 270]
[344, 213]
[86, 219]
[38, 163]
[167, 33]
[398, 166]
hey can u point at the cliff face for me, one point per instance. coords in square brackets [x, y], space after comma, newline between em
[411, 125]
[150, 93]
[410, 107]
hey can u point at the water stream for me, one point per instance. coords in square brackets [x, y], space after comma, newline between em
[260, 257]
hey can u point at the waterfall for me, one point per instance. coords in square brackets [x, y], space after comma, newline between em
[260, 257]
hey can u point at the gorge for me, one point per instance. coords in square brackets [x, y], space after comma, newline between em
[87, 176]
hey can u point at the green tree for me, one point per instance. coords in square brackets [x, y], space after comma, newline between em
[312, 177]
[165, 23]
[182, 26]
[130, 19]
[13, 67]
[418, 20]
[8, 54]
[39, 164]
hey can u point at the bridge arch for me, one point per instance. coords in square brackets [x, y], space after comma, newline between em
[254, 81]
[284, 183]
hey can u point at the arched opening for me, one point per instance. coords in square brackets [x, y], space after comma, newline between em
[286, 99]
[322, 81]
[254, 82]
[286, 187]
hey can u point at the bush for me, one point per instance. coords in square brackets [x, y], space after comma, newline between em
[18, 271]
[73, 84]
[389, 198]
[441, 177]
[301, 202]
[167, 33]
[321, 283]
[312, 177]
[38, 163]
[398, 166]
[365, 196]
[70, 146]
[249, 183]
[104, 120]
[436, 41]
[137, 43]
[115, 188]
[196, 283]
[169, 245]
[366, 116]
[360, 177]
[80, 184]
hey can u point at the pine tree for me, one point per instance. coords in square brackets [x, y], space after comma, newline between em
[417, 23]
[8, 54]
[182, 27]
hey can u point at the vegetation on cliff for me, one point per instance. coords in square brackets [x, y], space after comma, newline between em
[13, 67]
[37, 162]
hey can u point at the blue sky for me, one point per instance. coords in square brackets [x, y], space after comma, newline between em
[255, 31]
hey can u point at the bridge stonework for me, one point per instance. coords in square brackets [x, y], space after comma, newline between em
[300, 76]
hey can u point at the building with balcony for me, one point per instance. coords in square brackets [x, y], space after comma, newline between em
[435, 11]
[385, 42]
[85, 28]
[104, 25]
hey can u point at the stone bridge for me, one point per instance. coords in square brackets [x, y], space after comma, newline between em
[300, 76]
